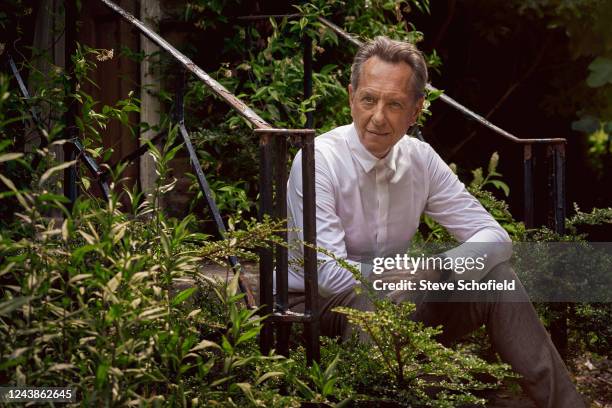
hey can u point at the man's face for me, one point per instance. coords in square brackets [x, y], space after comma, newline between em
[383, 107]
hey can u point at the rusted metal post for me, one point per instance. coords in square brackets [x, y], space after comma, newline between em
[528, 164]
[273, 148]
[70, 36]
[281, 266]
[307, 48]
[555, 154]
[559, 200]
[311, 286]
[266, 256]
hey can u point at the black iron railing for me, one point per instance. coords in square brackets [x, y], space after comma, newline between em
[268, 137]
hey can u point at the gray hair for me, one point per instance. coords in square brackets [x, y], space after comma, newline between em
[392, 51]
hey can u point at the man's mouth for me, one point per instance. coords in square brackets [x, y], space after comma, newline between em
[377, 133]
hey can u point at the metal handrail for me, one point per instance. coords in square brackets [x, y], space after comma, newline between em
[555, 146]
[270, 139]
[447, 99]
[215, 86]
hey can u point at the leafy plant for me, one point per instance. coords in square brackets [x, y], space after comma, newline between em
[431, 231]
[88, 297]
[492, 177]
[421, 369]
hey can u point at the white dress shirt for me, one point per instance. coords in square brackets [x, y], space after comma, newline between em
[368, 207]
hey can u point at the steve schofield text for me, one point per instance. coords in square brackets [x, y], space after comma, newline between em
[423, 284]
[411, 265]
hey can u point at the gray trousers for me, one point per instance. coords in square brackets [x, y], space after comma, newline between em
[512, 324]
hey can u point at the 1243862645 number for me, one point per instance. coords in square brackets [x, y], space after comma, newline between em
[37, 394]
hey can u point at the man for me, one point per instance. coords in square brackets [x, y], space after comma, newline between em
[372, 185]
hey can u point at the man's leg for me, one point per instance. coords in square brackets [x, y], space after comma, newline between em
[336, 324]
[516, 334]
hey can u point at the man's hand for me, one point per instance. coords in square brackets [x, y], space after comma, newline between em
[432, 275]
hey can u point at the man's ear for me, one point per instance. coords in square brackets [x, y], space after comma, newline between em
[417, 109]
[350, 92]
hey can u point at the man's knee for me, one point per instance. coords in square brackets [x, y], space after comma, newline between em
[502, 271]
[336, 324]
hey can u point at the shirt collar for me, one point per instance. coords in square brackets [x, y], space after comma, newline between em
[366, 159]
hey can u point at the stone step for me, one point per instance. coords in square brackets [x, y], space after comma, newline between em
[223, 273]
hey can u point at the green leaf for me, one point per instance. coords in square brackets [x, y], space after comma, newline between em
[327, 69]
[328, 388]
[601, 72]
[227, 347]
[304, 389]
[586, 124]
[114, 282]
[80, 253]
[12, 362]
[183, 296]
[493, 161]
[101, 372]
[9, 183]
[246, 389]
[269, 375]
[53, 197]
[10, 156]
[204, 344]
[80, 277]
[331, 368]
[52, 170]
[248, 335]
[221, 381]
[8, 306]
[205, 368]
[232, 287]
[502, 186]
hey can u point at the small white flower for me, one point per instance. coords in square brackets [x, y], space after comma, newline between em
[105, 54]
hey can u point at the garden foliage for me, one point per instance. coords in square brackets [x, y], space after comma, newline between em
[89, 295]
[88, 292]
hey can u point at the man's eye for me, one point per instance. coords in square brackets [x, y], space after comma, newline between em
[396, 105]
[367, 99]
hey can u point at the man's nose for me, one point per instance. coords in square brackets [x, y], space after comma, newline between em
[378, 116]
